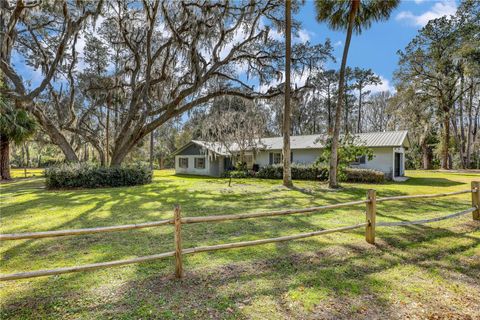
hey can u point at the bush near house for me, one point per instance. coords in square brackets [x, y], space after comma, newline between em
[83, 175]
[238, 174]
[362, 175]
[299, 172]
[304, 172]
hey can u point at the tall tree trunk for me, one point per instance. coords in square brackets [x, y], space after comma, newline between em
[107, 131]
[359, 120]
[462, 127]
[426, 157]
[329, 110]
[85, 153]
[151, 150]
[446, 141]
[456, 136]
[27, 153]
[333, 183]
[470, 125]
[287, 170]
[4, 157]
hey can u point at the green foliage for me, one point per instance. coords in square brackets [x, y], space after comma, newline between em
[335, 13]
[348, 152]
[241, 166]
[85, 175]
[16, 124]
[363, 175]
[299, 172]
[238, 174]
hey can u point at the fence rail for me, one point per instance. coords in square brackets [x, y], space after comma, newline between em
[178, 221]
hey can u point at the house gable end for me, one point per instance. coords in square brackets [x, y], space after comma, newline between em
[191, 149]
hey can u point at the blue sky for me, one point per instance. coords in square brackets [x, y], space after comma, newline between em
[377, 47]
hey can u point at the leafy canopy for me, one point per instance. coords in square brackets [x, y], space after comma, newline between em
[335, 13]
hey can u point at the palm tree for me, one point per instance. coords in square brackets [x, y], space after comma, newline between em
[287, 170]
[348, 15]
[15, 125]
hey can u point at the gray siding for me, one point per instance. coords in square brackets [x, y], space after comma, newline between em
[382, 161]
[193, 150]
[303, 156]
[216, 166]
[213, 166]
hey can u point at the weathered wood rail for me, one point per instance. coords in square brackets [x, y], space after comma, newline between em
[178, 221]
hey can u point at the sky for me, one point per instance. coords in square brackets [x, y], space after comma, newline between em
[377, 47]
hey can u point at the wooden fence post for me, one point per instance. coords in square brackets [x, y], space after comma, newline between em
[476, 200]
[371, 212]
[178, 242]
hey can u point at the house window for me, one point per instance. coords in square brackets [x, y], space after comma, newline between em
[360, 160]
[183, 162]
[275, 158]
[199, 163]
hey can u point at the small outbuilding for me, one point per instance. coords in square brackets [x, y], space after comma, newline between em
[212, 159]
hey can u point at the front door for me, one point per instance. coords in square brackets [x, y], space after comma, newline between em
[398, 161]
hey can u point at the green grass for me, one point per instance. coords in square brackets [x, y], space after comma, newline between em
[415, 271]
[28, 173]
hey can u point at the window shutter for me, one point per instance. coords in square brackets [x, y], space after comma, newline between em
[271, 158]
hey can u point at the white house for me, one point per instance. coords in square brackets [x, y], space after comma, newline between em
[211, 158]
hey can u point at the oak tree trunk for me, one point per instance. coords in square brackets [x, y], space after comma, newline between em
[4, 158]
[56, 136]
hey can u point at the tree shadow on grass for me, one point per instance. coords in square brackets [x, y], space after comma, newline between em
[341, 273]
[437, 182]
[340, 280]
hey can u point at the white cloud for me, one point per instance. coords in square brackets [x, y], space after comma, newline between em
[338, 43]
[418, 1]
[384, 86]
[439, 9]
[303, 36]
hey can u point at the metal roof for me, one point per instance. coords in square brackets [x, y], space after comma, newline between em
[315, 141]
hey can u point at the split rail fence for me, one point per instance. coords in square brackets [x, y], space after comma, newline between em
[370, 224]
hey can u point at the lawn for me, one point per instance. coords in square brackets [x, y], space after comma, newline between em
[430, 271]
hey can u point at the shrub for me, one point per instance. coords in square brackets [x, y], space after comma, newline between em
[299, 172]
[83, 175]
[237, 174]
[363, 175]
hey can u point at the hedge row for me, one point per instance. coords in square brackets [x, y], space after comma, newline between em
[302, 172]
[363, 175]
[83, 175]
[299, 172]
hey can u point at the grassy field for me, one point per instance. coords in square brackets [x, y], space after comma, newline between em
[423, 272]
[28, 173]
